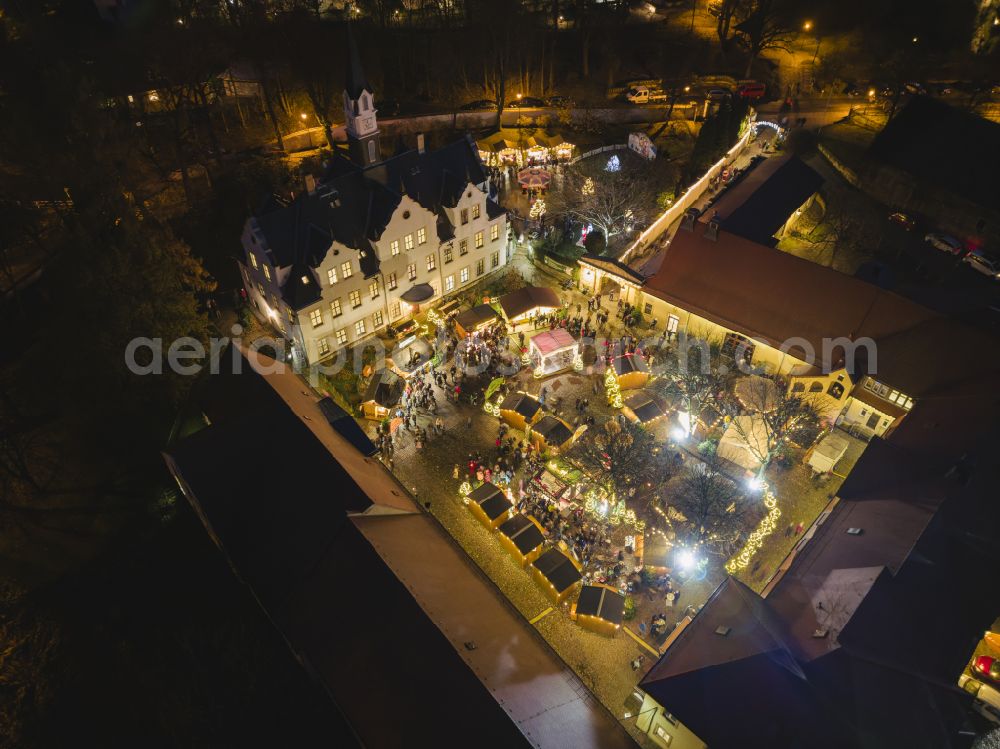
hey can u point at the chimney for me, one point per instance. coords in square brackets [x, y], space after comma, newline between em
[310, 184]
[688, 219]
[712, 230]
[420, 142]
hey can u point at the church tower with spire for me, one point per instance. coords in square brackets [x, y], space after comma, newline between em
[359, 110]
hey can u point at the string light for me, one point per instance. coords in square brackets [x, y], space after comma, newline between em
[614, 392]
[465, 489]
[766, 527]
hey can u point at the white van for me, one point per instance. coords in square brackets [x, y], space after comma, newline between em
[643, 95]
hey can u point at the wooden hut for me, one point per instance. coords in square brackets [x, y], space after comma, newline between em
[600, 608]
[527, 302]
[520, 410]
[631, 370]
[644, 408]
[558, 574]
[551, 434]
[381, 394]
[523, 537]
[475, 319]
[411, 355]
[490, 505]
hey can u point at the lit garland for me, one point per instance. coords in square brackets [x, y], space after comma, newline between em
[615, 513]
[613, 391]
[537, 209]
[578, 362]
[435, 318]
[493, 408]
[538, 372]
[465, 489]
[766, 527]
[588, 187]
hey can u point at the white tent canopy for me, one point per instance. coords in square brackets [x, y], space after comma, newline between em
[744, 441]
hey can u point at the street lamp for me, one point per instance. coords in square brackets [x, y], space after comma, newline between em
[303, 116]
[807, 27]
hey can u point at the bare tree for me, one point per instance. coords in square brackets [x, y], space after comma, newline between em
[612, 202]
[622, 458]
[691, 375]
[767, 418]
[714, 509]
[763, 29]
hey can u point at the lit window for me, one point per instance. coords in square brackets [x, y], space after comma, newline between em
[431, 262]
[335, 308]
[331, 276]
[411, 271]
[316, 318]
[475, 211]
[359, 328]
[449, 283]
[260, 289]
[480, 267]
[447, 254]
[394, 247]
[305, 280]
[394, 310]
[377, 319]
[253, 260]
[479, 239]
[355, 298]
[463, 247]
[463, 275]
[341, 337]
[647, 308]
[391, 281]
[421, 235]
[673, 321]
[494, 259]
[267, 273]
[345, 270]
[494, 232]
[373, 288]
[465, 215]
[408, 241]
[323, 346]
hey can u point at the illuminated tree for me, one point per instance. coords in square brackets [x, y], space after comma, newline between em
[715, 511]
[622, 458]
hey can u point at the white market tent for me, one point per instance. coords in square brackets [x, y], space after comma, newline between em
[743, 441]
[827, 452]
[552, 350]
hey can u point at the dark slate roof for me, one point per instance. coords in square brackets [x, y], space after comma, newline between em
[553, 429]
[352, 206]
[483, 492]
[527, 298]
[521, 403]
[494, 209]
[759, 204]
[613, 266]
[558, 569]
[523, 532]
[645, 407]
[476, 316]
[384, 388]
[630, 363]
[354, 81]
[946, 147]
[598, 600]
[495, 506]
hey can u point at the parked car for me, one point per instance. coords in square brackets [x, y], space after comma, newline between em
[751, 90]
[479, 104]
[987, 699]
[987, 667]
[914, 88]
[560, 101]
[644, 95]
[526, 102]
[901, 219]
[988, 265]
[718, 94]
[945, 243]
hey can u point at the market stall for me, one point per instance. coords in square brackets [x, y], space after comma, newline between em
[473, 320]
[744, 441]
[644, 408]
[381, 394]
[411, 355]
[551, 434]
[490, 505]
[631, 371]
[600, 608]
[534, 179]
[522, 536]
[552, 351]
[528, 302]
[557, 574]
[520, 410]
